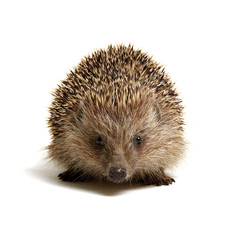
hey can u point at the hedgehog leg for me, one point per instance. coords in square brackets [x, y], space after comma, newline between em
[72, 176]
[158, 179]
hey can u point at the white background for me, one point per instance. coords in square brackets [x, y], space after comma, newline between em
[41, 41]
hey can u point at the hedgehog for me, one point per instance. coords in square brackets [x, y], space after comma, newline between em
[117, 117]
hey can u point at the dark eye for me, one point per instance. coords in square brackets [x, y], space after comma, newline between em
[100, 141]
[138, 141]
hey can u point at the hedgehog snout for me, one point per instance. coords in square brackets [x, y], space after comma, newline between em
[117, 174]
[117, 169]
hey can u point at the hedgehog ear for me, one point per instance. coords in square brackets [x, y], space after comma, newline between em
[79, 114]
[157, 109]
[76, 117]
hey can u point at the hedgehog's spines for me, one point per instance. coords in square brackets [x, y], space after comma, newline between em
[109, 75]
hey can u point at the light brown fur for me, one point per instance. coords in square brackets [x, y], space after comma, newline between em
[117, 94]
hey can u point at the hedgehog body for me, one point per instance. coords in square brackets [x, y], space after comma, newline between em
[117, 117]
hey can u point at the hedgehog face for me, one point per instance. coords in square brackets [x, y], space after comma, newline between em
[118, 143]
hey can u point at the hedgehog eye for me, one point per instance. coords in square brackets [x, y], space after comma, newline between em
[138, 141]
[99, 141]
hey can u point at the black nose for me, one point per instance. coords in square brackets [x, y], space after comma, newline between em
[117, 174]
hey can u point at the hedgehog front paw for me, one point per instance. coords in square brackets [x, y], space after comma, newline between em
[69, 176]
[158, 180]
[164, 181]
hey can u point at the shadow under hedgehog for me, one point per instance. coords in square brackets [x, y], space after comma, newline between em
[117, 117]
